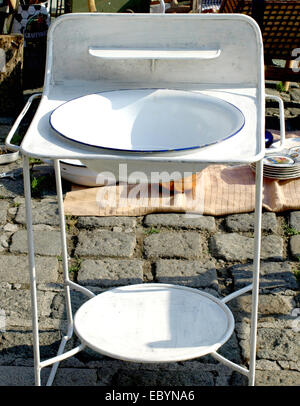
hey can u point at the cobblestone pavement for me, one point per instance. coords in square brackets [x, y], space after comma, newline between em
[213, 254]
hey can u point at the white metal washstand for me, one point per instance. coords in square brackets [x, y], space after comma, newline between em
[130, 66]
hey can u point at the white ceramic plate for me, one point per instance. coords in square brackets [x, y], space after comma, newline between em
[282, 172]
[147, 120]
[294, 152]
[282, 161]
[282, 177]
[279, 170]
[278, 174]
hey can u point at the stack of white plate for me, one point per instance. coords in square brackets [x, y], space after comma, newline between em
[283, 165]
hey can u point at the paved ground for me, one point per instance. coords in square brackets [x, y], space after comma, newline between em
[208, 253]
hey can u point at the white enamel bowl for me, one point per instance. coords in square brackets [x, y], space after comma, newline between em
[147, 120]
[75, 172]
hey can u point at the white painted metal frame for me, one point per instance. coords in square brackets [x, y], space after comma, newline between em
[68, 284]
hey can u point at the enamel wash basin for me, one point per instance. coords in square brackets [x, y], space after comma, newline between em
[144, 122]
[147, 120]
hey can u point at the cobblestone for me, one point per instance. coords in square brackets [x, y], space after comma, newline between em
[4, 240]
[10, 227]
[45, 242]
[268, 304]
[105, 243]
[17, 306]
[295, 220]
[272, 274]
[24, 376]
[179, 220]
[265, 365]
[95, 222]
[295, 95]
[110, 272]
[18, 343]
[44, 212]
[294, 366]
[277, 378]
[275, 344]
[14, 269]
[173, 245]
[245, 222]
[190, 273]
[236, 247]
[295, 246]
[3, 212]
[192, 373]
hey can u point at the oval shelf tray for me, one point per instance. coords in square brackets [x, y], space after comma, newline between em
[154, 323]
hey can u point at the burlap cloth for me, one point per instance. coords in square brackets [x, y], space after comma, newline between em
[216, 190]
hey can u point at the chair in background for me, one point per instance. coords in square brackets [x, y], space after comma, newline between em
[279, 21]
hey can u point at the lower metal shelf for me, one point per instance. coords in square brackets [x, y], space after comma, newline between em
[154, 323]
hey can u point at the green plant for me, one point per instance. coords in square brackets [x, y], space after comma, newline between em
[152, 230]
[290, 231]
[35, 161]
[36, 184]
[74, 268]
[280, 87]
[70, 222]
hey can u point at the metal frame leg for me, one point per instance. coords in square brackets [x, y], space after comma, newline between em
[32, 273]
[63, 242]
[38, 365]
[65, 269]
[67, 285]
[256, 269]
